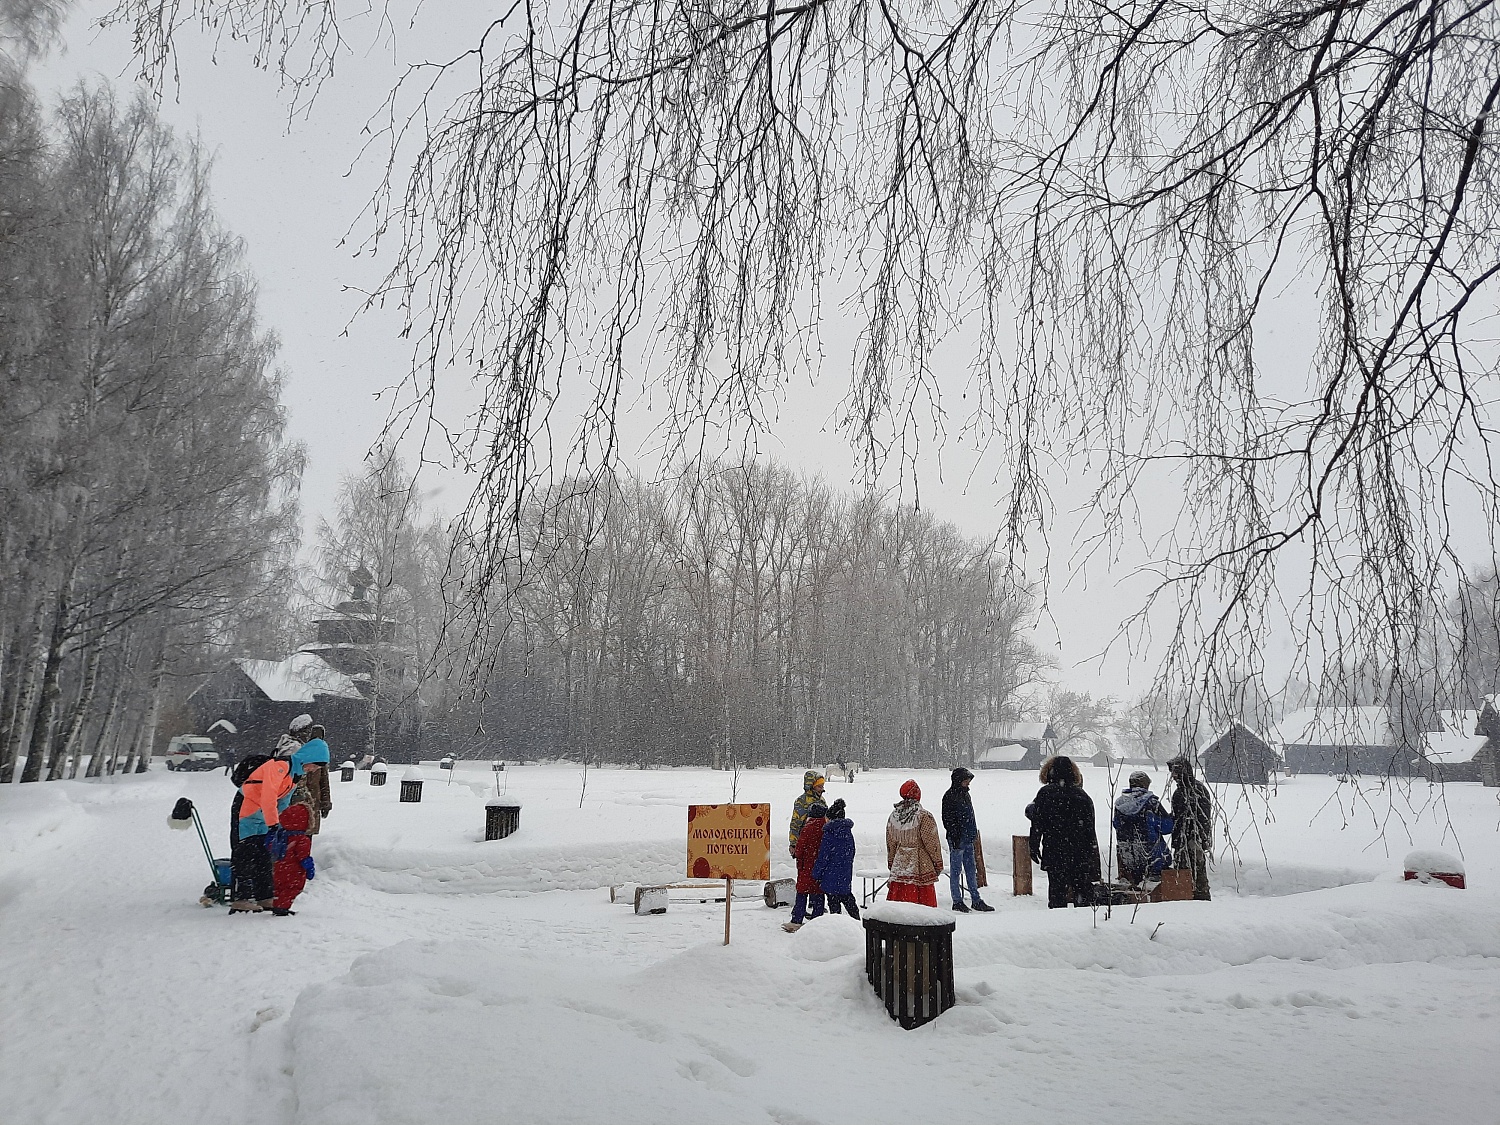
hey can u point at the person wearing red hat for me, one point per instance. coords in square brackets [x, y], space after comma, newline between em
[913, 850]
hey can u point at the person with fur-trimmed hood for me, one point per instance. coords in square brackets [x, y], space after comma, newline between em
[1193, 832]
[1140, 825]
[834, 870]
[1063, 837]
[912, 849]
[808, 889]
[812, 794]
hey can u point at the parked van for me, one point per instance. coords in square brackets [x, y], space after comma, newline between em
[190, 752]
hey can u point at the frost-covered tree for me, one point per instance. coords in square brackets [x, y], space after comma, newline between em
[150, 497]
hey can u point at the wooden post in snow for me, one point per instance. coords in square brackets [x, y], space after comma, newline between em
[1020, 862]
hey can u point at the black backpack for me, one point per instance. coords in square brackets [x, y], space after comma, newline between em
[246, 766]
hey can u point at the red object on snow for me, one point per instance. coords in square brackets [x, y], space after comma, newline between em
[921, 894]
[1424, 866]
[1452, 878]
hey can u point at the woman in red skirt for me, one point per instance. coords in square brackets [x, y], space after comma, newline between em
[913, 850]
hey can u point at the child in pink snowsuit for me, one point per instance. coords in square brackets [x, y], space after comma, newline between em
[294, 867]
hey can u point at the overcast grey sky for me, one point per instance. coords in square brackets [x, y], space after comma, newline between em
[293, 189]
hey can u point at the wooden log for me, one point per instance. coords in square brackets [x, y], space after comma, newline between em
[651, 900]
[780, 892]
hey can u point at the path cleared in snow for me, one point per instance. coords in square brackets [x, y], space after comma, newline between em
[432, 977]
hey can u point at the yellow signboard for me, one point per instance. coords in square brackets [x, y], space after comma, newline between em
[729, 842]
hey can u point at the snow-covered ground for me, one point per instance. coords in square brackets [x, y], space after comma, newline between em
[432, 977]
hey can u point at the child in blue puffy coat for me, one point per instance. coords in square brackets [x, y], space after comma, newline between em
[1140, 823]
[834, 869]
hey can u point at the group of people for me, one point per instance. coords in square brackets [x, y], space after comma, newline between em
[821, 840]
[822, 843]
[1063, 840]
[279, 805]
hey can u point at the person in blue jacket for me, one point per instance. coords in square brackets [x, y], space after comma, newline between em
[834, 868]
[1140, 823]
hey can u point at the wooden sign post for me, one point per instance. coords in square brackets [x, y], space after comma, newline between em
[729, 842]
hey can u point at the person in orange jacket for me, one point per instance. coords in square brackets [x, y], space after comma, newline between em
[264, 794]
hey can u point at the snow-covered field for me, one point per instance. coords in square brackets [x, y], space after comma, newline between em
[432, 977]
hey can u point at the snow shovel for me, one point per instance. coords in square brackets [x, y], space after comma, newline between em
[217, 892]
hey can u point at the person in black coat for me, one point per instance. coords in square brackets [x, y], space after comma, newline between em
[1063, 837]
[962, 831]
[1193, 824]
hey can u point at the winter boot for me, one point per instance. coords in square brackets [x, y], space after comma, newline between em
[983, 907]
[282, 911]
[959, 907]
[244, 907]
[791, 927]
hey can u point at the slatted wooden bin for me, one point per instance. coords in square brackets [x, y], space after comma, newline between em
[501, 818]
[911, 969]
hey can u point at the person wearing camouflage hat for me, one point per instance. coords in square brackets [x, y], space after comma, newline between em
[812, 794]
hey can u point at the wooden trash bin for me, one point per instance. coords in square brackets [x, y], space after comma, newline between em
[411, 786]
[377, 774]
[910, 968]
[346, 771]
[502, 816]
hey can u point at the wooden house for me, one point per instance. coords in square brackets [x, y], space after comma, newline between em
[246, 705]
[1015, 746]
[1238, 756]
[1457, 752]
[1488, 724]
[1343, 740]
[355, 665]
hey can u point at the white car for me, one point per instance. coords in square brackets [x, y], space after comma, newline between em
[191, 752]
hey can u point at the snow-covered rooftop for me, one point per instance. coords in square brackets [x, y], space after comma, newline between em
[1456, 743]
[1335, 726]
[1010, 752]
[299, 678]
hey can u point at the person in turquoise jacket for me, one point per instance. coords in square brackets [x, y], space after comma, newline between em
[310, 769]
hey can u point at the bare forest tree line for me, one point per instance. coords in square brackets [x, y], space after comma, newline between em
[149, 500]
[735, 616]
